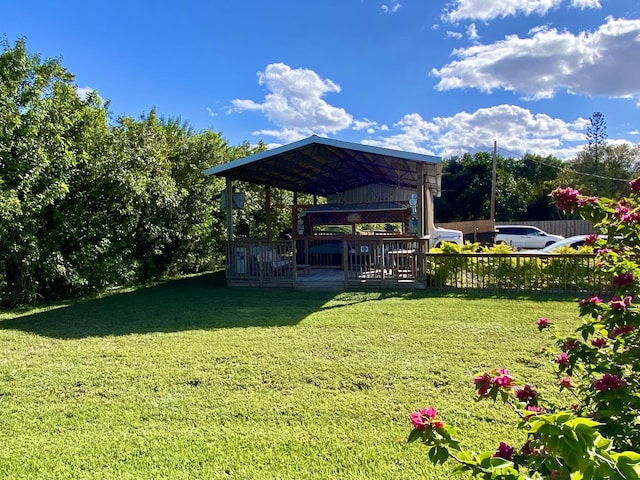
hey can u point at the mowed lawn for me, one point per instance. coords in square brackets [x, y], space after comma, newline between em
[188, 379]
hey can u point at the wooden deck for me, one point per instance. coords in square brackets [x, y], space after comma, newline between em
[334, 279]
[325, 263]
[381, 263]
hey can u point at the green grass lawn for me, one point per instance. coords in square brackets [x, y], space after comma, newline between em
[189, 379]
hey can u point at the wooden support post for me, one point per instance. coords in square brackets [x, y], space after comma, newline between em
[294, 216]
[229, 195]
[420, 205]
[268, 212]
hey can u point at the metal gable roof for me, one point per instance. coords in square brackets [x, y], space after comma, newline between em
[322, 166]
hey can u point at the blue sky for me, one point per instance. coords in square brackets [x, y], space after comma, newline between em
[433, 77]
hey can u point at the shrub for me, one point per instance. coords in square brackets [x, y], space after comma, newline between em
[597, 435]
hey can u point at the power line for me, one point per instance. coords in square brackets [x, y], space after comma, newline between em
[558, 167]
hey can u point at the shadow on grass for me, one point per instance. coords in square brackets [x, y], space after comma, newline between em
[199, 302]
[204, 302]
[478, 294]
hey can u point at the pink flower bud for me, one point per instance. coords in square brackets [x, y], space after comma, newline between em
[566, 382]
[543, 323]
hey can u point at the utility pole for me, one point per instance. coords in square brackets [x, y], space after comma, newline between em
[493, 183]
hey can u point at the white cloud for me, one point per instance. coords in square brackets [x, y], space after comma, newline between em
[537, 67]
[515, 129]
[582, 4]
[486, 10]
[210, 112]
[295, 104]
[456, 35]
[82, 92]
[634, 132]
[285, 135]
[392, 7]
[472, 32]
[365, 124]
[417, 135]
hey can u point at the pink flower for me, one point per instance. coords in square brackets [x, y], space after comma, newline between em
[622, 211]
[584, 200]
[526, 448]
[590, 239]
[599, 342]
[623, 280]
[483, 384]
[494, 378]
[590, 301]
[620, 330]
[533, 410]
[625, 213]
[543, 323]
[503, 379]
[526, 393]
[609, 382]
[566, 198]
[571, 344]
[504, 451]
[562, 359]
[425, 418]
[617, 303]
[635, 185]
[566, 382]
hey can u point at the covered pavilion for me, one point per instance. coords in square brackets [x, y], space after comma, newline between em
[352, 184]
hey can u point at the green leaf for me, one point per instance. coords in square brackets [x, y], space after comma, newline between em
[414, 435]
[563, 417]
[629, 471]
[582, 424]
[442, 455]
[629, 457]
[500, 463]
[466, 456]
[484, 459]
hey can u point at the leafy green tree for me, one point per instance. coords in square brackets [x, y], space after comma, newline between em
[540, 174]
[618, 163]
[466, 188]
[85, 205]
[46, 132]
[596, 137]
[522, 188]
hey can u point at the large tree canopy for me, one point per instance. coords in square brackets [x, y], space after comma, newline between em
[85, 203]
[522, 188]
[608, 177]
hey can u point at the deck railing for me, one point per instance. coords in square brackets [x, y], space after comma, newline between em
[260, 262]
[387, 262]
[574, 273]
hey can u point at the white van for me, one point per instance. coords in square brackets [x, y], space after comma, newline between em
[440, 235]
[524, 237]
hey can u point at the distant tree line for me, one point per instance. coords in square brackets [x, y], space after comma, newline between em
[89, 202]
[523, 185]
